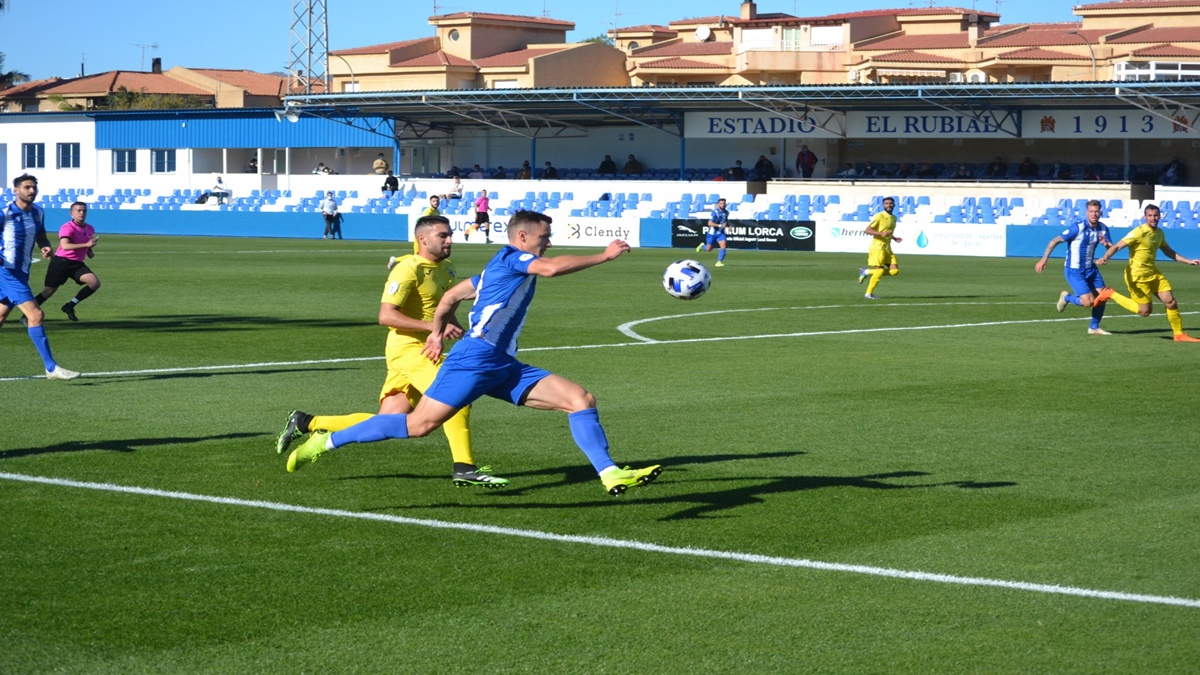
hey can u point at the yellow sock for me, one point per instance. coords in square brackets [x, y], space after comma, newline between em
[1125, 302]
[1175, 320]
[337, 422]
[458, 432]
[876, 275]
[893, 271]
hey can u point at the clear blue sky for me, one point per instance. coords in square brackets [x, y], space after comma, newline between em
[49, 37]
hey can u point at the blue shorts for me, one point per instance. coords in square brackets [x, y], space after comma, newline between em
[712, 238]
[474, 368]
[1083, 282]
[14, 287]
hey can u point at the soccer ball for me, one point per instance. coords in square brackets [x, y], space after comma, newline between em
[686, 279]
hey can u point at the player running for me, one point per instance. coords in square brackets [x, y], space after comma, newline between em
[1087, 286]
[880, 258]
[412, 293]
[485, 361]
[714, 232]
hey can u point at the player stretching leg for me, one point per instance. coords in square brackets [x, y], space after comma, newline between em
[412, 293]
[1142, 276]
[76, 242]
[484, 362]
[880, 258]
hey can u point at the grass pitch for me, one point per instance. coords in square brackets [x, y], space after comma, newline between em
[848, 484]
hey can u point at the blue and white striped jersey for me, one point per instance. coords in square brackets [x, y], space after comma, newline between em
[1082, 240]
[503, 292]
[19, 233]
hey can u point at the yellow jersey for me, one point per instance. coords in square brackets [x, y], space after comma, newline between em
[1144, 242]
[416, 286]
[882, 222]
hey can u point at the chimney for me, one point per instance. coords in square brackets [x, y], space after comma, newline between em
[156, 65]
[975, 29]
[749, 10]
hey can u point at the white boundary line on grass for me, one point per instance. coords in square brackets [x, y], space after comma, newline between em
[625, 328]
[608, 542]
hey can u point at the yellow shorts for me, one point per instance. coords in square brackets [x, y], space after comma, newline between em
[409, 372]
[1144, 290]
[881, 258]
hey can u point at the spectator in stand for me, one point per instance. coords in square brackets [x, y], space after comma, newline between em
[1090, 174]
[847, 171]
[455, 190]
[735, 172]
[252, 165]
[1060, 171]
[549, 173]
[391, 184]
[501, 173]
[926, 171]
[453, 172]
[869, 171]
[323, 170]
[220, 191]
[633, 167]
[905, 171]
[526, 171]
[963, 173]
[380, 165]
[806, 161]
[476, 172]
[1027, 169]
[1174, 173]
[608, 166]
[997, 169]
[764, 169]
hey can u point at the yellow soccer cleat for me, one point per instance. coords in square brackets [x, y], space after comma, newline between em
[616, 481]
[308, 452]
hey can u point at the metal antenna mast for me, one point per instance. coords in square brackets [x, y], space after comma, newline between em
[144, 48]
[308, 69]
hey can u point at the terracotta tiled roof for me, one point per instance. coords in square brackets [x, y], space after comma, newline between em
[918, 11]
[910, 56]
[380, 49]
[1046, 35]
[1167, 51]
[520, 57]
[715, 48]
[438, 58]
[675, 64]
[105, 83]
[255, 84]
[1153, 35]
[31, 88]
[1140, 4]
[504, 17]
[901, 42]
[645, 28]
[706, 20]
[1039, 54]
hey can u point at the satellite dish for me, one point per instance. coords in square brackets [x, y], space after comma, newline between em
[703, 33]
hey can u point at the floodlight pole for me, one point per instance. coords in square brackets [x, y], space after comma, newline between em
[309, 64]
[1091, 52]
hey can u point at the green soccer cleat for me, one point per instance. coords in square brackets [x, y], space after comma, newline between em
[291, 431]
[616, 481]
[308, 452]
[480, 477]
[699, 248]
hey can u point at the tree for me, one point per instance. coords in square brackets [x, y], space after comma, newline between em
[603, 39]
[127, 99]
[8, 79]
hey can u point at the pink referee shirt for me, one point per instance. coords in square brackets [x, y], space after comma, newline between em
[75, 234]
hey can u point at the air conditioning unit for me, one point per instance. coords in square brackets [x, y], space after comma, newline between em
[852, 76]
[955, 77]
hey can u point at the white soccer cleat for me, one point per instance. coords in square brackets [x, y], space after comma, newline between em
[60, 373]
[391, 263]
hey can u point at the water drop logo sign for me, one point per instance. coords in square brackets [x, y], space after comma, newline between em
[922, 240]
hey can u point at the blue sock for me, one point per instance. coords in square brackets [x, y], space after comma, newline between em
[378, 428]
[37, 335]
[1097, 314]
[1074, 300]
[720, 255]
[589, 436]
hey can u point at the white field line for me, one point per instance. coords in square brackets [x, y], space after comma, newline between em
[625, 328]
[607, 542]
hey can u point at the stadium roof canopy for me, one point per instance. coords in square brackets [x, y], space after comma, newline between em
[542, 113]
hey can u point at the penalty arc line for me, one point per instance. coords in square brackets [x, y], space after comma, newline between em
[607, 542]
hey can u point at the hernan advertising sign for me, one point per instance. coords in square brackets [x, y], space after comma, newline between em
[917, 239]
[774, 235]
[859, 124]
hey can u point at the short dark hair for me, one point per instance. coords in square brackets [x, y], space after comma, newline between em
[890, 199]
[521, 220]
[424, 223]
[74, 204]
[22, 178]
[1151, 207]
[1096, 203]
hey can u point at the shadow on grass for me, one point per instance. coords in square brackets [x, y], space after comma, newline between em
[119, 444]
[192, 323]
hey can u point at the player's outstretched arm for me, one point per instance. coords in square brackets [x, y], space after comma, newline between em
[1174, 255]
[567, 264]
[1112, 250]
[1041, 264]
